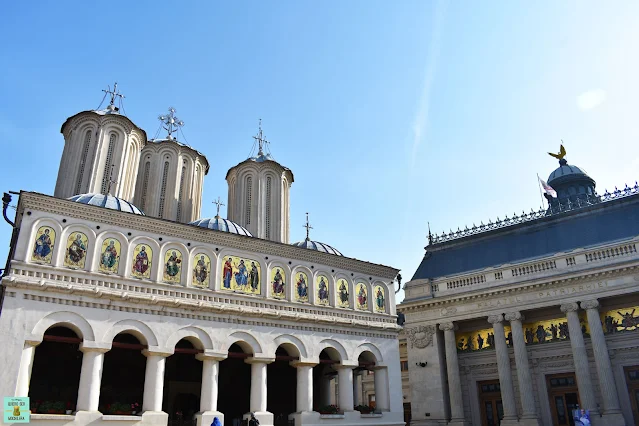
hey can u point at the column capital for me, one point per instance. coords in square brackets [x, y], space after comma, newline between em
[447, 326]
[86, 349]
[296, 364]
[590, 304]
[259, 360]
[494, 319]
[569, 307]
[152, 352]
[213, 356]
[346, 365]
[514, 316]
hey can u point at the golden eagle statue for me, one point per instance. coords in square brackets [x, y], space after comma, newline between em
[562, 153]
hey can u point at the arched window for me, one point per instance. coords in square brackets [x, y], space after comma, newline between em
[268, 207]
[83, 159]
[249, 188]
[179, 206]
[145, 184]
[55, 375]
[106, 175]
[165, 175]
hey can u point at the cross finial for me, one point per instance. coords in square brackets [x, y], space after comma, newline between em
[111, 181]
[219, 203]
[171, 123]
[308, 227]
[260, 139]
[430, 236]
[114, 93]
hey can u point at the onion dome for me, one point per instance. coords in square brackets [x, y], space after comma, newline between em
[316, 245]
[107, 201]
[219, 224]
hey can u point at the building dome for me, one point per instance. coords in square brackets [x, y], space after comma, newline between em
[571, 182]
[316, 245]
[107, 201]
[567, 172]
[219, 224]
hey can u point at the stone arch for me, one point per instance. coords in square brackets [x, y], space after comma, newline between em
[137, 328]
[369, 347]
[335, 345]
[246, 341]
[195, 335]
[74, 321]
[289, 341]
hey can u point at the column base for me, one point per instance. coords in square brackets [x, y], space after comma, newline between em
[305, 418]
[458, 422]
[159, 418]
[509, 422]
[608, 419]
[530, 421]
[205, 418]
[265, 418]
[87, 417]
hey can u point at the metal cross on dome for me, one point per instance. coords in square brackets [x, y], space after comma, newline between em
[170, 122]
[114, 93]
[219, 203]
[260, 140]
[308, 228]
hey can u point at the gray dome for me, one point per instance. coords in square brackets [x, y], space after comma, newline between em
[219, 224]
[565, 170]
[107, 201]
[316, 245]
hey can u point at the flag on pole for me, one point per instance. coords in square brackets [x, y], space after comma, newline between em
[547, 188]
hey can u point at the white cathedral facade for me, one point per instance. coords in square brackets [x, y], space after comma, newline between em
[122, 306]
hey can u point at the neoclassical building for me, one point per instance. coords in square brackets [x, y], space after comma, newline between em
[121, 306]
[527, 319]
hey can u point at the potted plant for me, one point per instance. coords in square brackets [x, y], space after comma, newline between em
[135, 407]
[53, 407]
[120, 408]
[329, 409]
[364, 409]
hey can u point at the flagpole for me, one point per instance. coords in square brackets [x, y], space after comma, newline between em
[540, 193]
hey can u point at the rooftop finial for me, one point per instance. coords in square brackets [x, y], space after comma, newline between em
[218, 203]
[260, 139]
[114, 93]
[560, 156]
[171, 123]
[430, 236]
[308, 227]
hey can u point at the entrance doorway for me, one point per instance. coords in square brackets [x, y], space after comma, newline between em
[492, 410]
[564, 398]
[632, 381]
[234, 384]
[182, 385]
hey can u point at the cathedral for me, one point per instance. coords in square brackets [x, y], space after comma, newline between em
[121, 305]
[532, 319]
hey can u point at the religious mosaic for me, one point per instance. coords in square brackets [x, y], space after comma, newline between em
[620, 320]
[301, 287]
[321, 297]
[76, 251]
[172, 266]
[44, 243]
[361, 298]
[479, 340]
[241, 274]
[201, 271]
[141, 267]
[343, 298]
[380, 300]
[110, 256]
[278, 283]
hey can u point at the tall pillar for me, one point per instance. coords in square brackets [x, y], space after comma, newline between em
[153, 381]
[258, 390]
[452, 367]
[503, 367]
[209, 393]
[304, 386]
[90, 378]
[611, 408]
[382, 395]
[325, 388]
[357, 388]
[580, 359]
[26, 364]
[526, 393]
[345, 387]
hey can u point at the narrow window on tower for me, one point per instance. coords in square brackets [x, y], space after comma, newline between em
[165, 174]
[106, 175]
[83, 160]
[268, 207]
[145, 185]
[179, 206]
[249, 187]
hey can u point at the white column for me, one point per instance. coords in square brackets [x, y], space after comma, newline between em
[452, 367]
[258, 385]
[90, 378]
[153, 381]
[526, 393]
[602, 360]
[382, 396]
[209, 393]
[26, 364]
[304, 386]
[345, 383]
[580, 359]
[357, 388]
[503, 367]
[325, 388]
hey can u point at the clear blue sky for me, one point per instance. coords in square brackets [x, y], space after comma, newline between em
[390, 114]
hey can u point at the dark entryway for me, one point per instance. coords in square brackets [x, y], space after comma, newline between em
[234, 385]
[490, 403]
[564, 398]
[182, 385]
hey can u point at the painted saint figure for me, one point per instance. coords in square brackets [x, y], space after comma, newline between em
[109, 256]
[254, 277]
[141, 262]
[361, 297]
[241, 276]
[343, 294]
[379, 300]
[322, 292]
[278, 283]
[228, 273]
[201, 271]
[302, 287]
[76, 250]
[43, 246]
[172, 267]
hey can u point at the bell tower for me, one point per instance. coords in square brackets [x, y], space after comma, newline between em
[258, 197]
